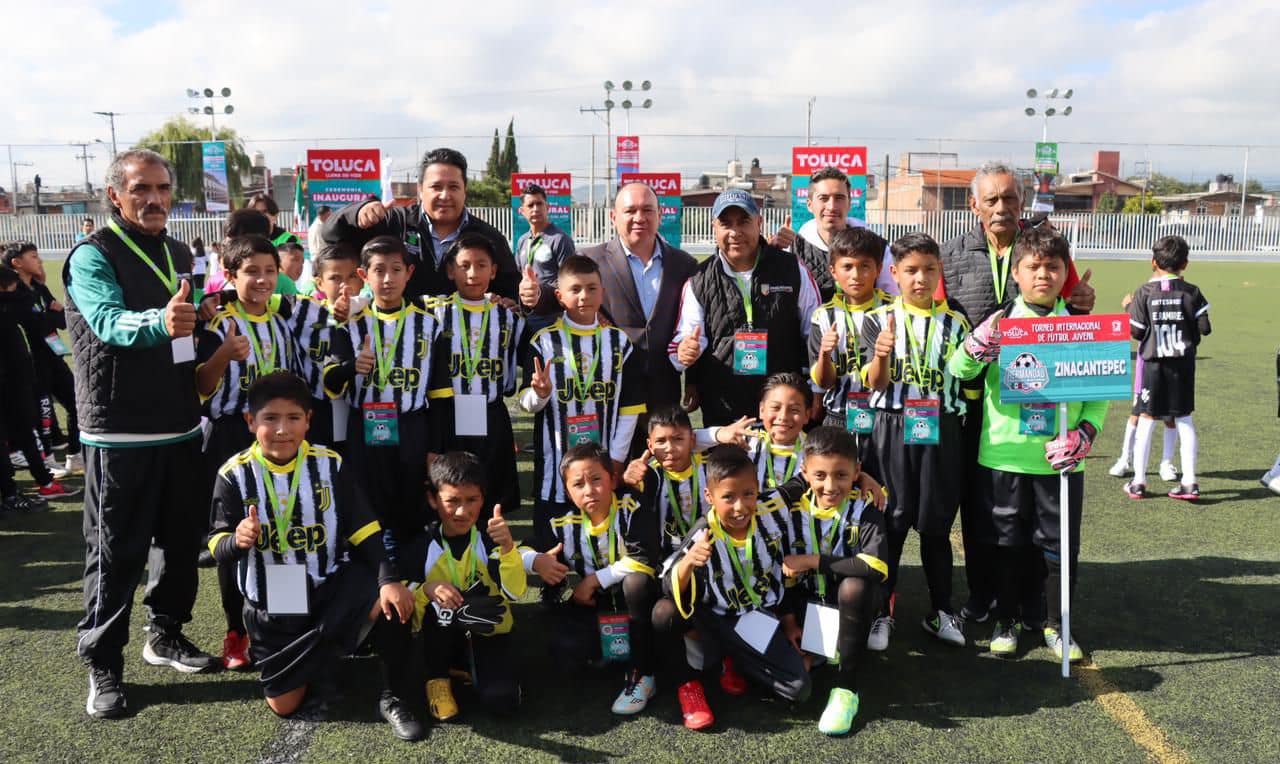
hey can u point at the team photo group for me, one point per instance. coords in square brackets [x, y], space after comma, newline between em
[729, 454]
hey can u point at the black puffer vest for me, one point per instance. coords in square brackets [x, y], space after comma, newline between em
[136, 390]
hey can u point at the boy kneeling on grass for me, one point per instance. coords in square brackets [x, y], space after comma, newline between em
[309, 558]
[1021, 452]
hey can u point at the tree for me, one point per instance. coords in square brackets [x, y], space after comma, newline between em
[1107, 203]
[179, 139]
[1134, 206]
[489, 191]
[510, 163]
[1166, 185]
[493, 168]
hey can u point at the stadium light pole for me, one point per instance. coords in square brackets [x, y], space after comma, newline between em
[1050, 110]
[627, 104]
[211, 107]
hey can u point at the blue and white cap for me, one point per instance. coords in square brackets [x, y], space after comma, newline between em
[734, 197]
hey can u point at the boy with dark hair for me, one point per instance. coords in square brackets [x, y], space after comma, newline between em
[582, 381]
[856, 257]
[1167, 316]
[384, 364]
[915, 442]
[477, 340]
[1021, 452]
[539, 253]
[470, 579]
[308, 557]
[292, 259]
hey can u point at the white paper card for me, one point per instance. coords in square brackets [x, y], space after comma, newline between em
[287, 589]
[470, 415]
[821, 627]
[756, 629]
[184, 349]
[340, 411]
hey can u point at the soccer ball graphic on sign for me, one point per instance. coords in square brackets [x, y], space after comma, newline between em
[1026, 373]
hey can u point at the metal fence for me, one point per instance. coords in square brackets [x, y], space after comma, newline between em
[1090, 233]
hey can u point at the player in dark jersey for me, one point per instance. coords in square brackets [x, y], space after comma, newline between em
[1272, 477]
[1167, 316]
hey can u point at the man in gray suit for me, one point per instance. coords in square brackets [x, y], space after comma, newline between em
[643, 277]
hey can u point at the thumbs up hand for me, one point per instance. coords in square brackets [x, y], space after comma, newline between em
[499, 533]
[784, 237]
[1083, 297]
[887, 339]
[235, 345]
[340, 307]
[830, 340]
[983, 343]
[690, 348]
[365, 361]
[530, 289]
[179, 313]
[548, 566]
[634, 476]
[249, 529]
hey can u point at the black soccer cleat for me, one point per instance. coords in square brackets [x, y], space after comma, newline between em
[404, 724]
[174, 650]
[106, 694]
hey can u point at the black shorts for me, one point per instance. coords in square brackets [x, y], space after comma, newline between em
[292, 650]
[925, 483]
[1168, 388]
[1025, 509]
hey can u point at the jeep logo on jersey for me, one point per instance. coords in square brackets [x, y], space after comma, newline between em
[851, 160]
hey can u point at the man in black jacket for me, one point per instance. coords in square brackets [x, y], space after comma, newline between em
[427, 227]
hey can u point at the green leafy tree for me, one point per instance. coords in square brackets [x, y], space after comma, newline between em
[1166, 185]
[510, 162]
[1134, 206]
[1107, 203]
[489, 191]
[493, 168]
[178, 140]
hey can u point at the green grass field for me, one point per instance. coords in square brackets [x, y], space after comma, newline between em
[1177, 605]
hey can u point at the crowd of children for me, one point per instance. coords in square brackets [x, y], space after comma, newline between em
[366, 500]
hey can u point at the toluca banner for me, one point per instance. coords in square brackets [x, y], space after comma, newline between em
[338, 177]
[628, 155]
[807, 160]
[217, 197]
[559, 188]
[667, 186]
[1060, 359]
[1046, 170]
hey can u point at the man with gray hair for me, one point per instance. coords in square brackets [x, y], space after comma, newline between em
[130, 317]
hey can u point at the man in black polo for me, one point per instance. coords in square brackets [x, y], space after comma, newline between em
[428, 227]
[130, 317]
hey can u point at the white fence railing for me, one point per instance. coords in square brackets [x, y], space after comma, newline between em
[1090, 233]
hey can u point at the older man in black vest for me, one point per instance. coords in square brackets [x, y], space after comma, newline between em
[131, 322]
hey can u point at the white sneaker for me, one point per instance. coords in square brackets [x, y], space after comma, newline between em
[945, 627]
[1274, 485]
[56, 469]
[1120, 469]
[878, 639]
[635, 696]
[1167, 472]
[17, 459]
[74, 463]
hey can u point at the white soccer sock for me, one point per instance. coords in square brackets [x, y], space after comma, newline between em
[1126, 445]
[1142, 449]
[1187, 433]
[1275, 468]
[1170, 437]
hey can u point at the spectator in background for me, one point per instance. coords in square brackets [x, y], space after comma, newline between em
[86, 228]
[539, 253]
[267, 206]
[314, 243]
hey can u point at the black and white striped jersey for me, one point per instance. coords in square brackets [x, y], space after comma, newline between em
[406, 370]
[854, 529]
[312, 326]
[719, 584]
[597, 393]
[623, 543]
[330, 515]
[271, 348]
[1167, 316]
[479, 339]
[924, 340]
[678, 500]
[775, 463]
[847, 358]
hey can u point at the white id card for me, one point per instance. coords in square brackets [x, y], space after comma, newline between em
[471, 415]
[184, 349]
[287, 589]
[341, 409]
[756, 629]
[821, 627]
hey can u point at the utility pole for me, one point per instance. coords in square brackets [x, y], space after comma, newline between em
[86, 156]
[808, 122]
[1244, 184]
[111, 115]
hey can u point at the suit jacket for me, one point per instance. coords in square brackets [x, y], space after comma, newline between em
[622, 307]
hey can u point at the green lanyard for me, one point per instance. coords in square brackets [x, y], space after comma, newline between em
[1000, 275]
[470, 354]
[282, 513]
[580, 384]
[772, 478]
[674, 497]
[265, 365]
[451, 567]
[913, 345]
[747, 578]
[851, 333]
[825, 543]
[170, 281]
[385, 356]
[610, 535]
[746, 298]
[533, 247]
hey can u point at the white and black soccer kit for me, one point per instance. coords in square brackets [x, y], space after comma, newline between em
[1168, 316]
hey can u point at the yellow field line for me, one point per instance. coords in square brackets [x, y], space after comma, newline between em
[1129, 715]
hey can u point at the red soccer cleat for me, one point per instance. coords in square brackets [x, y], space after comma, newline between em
[693, 704]
[235, 651]
[731, 681]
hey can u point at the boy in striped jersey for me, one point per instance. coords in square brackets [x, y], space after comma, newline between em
[726, 580]
[470, 577]
[916, 440]
[386, 368]
[838, 560]
[609, 541]
[857, 255]
[244, 340]
[308, 556]
[478, 339]
[582, 381]
[1021, 452]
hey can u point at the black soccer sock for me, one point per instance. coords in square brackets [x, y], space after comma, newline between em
[856, 598]
[935, 557]
[640, 591]
[232, 598]
[896, 541]
[393, 642]
[1010, 561]
[1053, 587]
